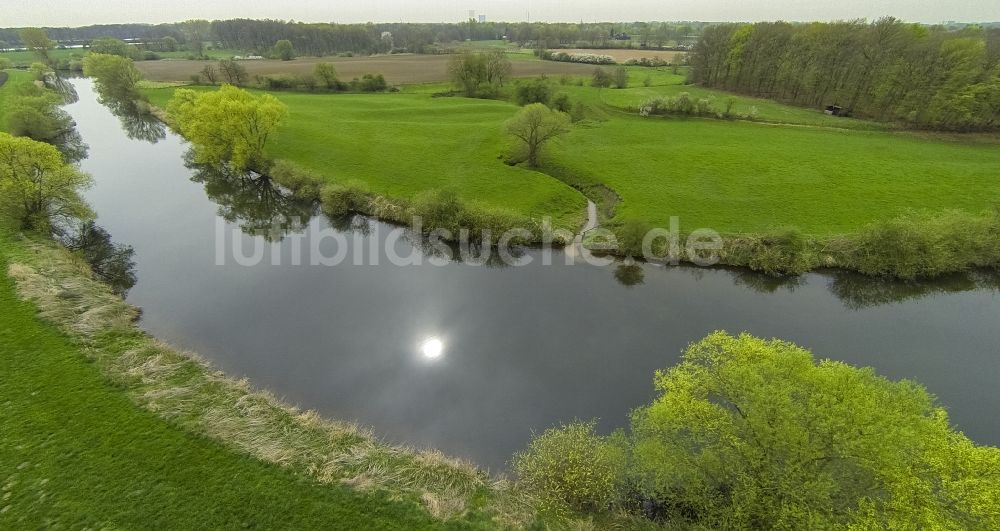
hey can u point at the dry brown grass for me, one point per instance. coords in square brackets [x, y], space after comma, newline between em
[397, 69]
[181, 387]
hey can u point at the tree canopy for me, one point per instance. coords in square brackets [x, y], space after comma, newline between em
[37, 40]
[229, 125]
[117, 77]
[284, 50]
[748, 433]
[534, 126]
[887, 69]
[37, 189]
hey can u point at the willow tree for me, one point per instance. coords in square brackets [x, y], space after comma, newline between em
[37, 188]
[228, 126]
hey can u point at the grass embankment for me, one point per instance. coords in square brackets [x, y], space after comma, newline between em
[203, 450]
[75, 452]
[15, 80]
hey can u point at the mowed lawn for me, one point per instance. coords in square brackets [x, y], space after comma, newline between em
[797, 168]
[404, 144]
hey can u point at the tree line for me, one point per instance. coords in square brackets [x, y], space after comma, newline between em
[888, 70]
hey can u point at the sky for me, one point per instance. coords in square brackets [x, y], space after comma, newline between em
[18, 13]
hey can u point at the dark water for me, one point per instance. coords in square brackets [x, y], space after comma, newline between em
[524, 347]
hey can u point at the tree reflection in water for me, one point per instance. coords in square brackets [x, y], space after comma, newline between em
[630, 274]
[253, 202]
[111, 262]
[137, 119]
[858, 291]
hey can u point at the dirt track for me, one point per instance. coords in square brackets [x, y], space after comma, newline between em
[397, 69]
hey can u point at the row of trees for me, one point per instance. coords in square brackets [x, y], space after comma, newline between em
[326, 38]
[886, 70]
[747, 433]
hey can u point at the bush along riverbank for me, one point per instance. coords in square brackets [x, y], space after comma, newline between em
[917, 244]
[184, 390]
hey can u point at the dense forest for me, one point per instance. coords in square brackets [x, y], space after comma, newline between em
[328, 38]
[924, 76]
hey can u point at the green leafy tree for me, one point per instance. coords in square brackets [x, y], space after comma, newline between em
[284, 50]
[749, 433]
[117, 77]
[229, 125]
[112, 46]
[38, 189]
[601, 78]
[479, 74]
[326, 73]
[37, 40]
[534, 126]
[168, 44]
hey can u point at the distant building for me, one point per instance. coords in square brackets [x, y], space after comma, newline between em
[482, 18]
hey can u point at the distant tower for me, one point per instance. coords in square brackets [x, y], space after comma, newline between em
[482, 18]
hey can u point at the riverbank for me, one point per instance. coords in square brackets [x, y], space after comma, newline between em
[179, 389]
[797, 172]
[77, 452]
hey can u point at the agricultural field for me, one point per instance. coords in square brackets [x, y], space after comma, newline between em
[397, 69]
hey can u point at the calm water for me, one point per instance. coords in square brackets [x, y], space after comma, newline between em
[524, 347]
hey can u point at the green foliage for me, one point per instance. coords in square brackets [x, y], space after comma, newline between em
[779, 252]
[326, 73]
[346, 198]
[284, 50]
[923, 244]
[37, 189]
[370, 83]
[40, 70]
[562, 103]
[227, 126]
[619, 77]
[534, 126]
[538, 90]
[887, 69]
[117, 76]
[37, 40]
[479, 74]
[601, 78]
[112, 46]
[303, 183]
[5, 63]
[630, 235]
[573, 467]
[748, 432]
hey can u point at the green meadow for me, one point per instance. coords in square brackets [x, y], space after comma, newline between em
[793, 167]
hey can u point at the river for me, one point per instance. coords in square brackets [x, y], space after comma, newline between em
[521, 348]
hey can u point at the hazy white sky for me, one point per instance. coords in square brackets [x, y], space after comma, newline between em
[16, 13]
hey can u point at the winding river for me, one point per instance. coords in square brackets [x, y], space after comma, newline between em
[521, 348]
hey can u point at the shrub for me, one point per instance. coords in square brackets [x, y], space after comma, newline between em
[148, 55]
[654, 62]
[347, 198]
[303, 183]
[681, 105]
[782, 252]
[601, 78]
[562, 103]
[277, 81]
[370, 83]
[921, 244]
[630, 235]
[571, 466]
[590, 59]
[537, 90]
[619, 77]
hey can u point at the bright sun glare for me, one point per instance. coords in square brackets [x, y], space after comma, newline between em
[432, 348]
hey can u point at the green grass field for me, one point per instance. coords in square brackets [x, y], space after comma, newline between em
[76, 453]
[403, 144]
[7, 90]
[798, 168]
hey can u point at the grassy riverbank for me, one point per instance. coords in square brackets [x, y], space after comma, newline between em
[76, 452]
